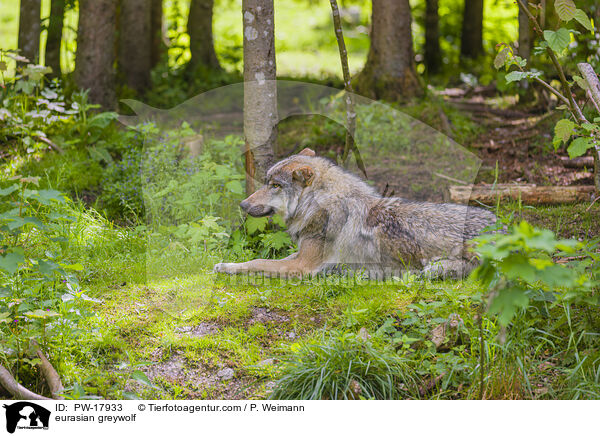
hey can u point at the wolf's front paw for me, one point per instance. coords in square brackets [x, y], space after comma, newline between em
[227, 268]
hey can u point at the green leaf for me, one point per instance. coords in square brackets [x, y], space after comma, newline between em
[11, 261]
[501, 58]
[254, 225]
[565, 9]
[31, 179]
[142, 378]
[7, 191]
[506, 303]
[515, 76]
[46, 196]
[234, 186]
[517, 266]
[559, 40]
[41, 314]
[583, 19]
[47, 267]
[558, 276]
[564, 129]
[36, 72]
[582, 83]
[100, 154]
[579, 146]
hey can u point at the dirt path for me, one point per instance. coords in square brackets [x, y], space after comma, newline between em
[520, 143]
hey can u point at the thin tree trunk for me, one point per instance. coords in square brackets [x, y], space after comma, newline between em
[201, 35]
[29, 29]
[55, 29]
[389, 72]
[433, 55]
[260, 90]
[526, 94]
[94, 66]
[156, 24]
[350, 104]
[135, 43]
[471, 44]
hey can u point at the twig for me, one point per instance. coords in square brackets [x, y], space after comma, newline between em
[350, 104]
[452, 179]
[15, 389]
[553, 90]
[592, 203]
[50, 374]
[574, 108]
[51, 144]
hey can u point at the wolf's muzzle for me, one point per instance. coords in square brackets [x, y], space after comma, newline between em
[256, 210]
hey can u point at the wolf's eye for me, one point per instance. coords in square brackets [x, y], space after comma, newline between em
[275, 185]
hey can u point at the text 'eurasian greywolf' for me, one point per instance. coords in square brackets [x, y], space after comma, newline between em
[337, 221]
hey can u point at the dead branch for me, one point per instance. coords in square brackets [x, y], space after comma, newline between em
[577, 162]
[50, 374]
[15, 389]
[51, 144]
[593, 85]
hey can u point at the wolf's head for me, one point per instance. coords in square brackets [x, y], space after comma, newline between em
[285, 182]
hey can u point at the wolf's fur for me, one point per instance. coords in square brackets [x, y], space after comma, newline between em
[338, 220]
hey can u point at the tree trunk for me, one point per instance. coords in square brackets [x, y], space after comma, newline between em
[135, 43]
[201, 35]
[260, 90]
[389, 72]
[526, 94]
[471, 44]
[433, 56]
[94, 66]
[55, 28]
[29, 29]
[156, 24]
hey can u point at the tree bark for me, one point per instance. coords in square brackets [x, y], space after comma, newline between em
[471, 44]
[29, 29]
[260, 90]
[55, 29]
[200, 24]
[95, 61]
[389, 72]
[433, 56]
[156, 24]
[525, 41]
[135, 43]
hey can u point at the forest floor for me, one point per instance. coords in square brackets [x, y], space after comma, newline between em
[202, 336]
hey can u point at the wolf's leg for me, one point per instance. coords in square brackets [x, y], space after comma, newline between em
[448, 268]
[306, 261]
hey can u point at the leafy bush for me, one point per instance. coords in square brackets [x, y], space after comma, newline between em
[527, 259]
[40, 294]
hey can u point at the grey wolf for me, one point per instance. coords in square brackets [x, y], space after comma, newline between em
[338, 220]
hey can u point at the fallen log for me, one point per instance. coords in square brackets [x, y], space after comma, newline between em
[50, 374]
[578, 162]
[529, 194]
[16, 390]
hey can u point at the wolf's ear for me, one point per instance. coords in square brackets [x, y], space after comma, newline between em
[304, 175]
[307, 152]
